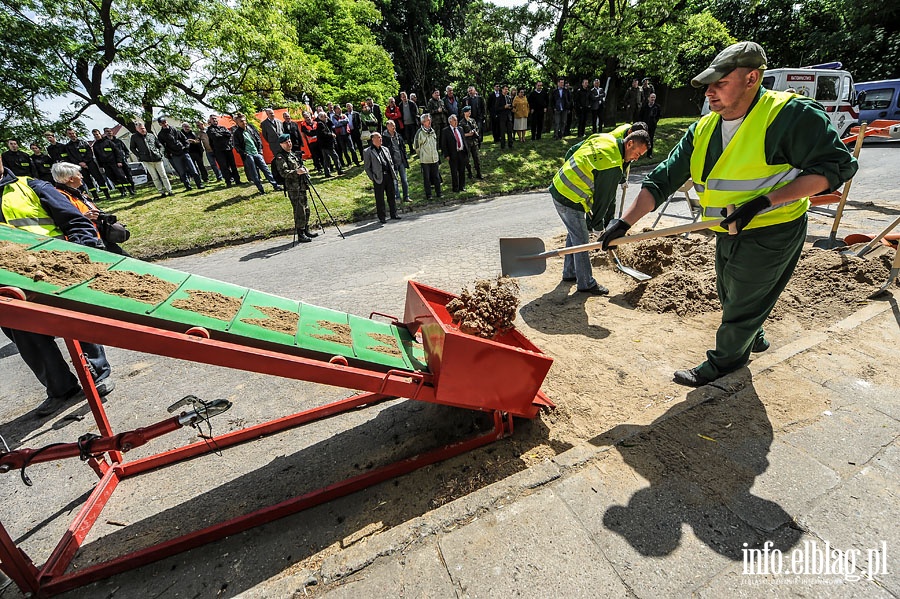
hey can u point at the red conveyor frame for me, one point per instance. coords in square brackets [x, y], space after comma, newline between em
[51, 578]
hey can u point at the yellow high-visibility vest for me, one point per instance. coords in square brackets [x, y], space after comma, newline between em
[741, 173]
[575, 180]
[22, 209]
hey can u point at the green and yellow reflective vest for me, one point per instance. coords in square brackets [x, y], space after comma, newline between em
[621, 131]
[741, 173]
[575, 180]
[22, 209]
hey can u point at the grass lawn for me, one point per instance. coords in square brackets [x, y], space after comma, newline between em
[202, 219]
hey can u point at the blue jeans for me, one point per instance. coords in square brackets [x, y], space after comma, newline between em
[185, 168]
[253, 163]
[576, 265]
[401, 180]
[215, 167]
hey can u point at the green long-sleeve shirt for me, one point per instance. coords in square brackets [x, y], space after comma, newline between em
[606, 182]
[801, 135]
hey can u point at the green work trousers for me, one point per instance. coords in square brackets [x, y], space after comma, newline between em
[752, 269]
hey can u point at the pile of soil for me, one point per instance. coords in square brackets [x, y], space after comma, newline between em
[825, 283]
[143, 288]
[386, 344]
[210, 303]
[56, 267]
[275, 319]
[488, 310]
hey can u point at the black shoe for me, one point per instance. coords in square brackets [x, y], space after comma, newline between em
[478, 176]
[569, 279]
[382, 220]
[690, 378]
[310, 234]
[51, 405]
[395, 217]
[105, 387]
[595, 290]
[760, 344]
[200, 186]
[302, 238]
[277, 187]
[227, 184]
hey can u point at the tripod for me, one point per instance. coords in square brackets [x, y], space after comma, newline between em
[312, 200]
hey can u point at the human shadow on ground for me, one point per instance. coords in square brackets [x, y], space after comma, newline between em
[233, 565]
[701, 458]
[235, 199]
[268, 252]
[562, 311]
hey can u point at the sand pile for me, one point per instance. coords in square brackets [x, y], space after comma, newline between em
[488, 310]
[825, 284]
[50, 266]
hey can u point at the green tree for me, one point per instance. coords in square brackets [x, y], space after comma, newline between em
[338, 35]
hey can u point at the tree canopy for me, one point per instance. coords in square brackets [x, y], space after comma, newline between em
[136, 59]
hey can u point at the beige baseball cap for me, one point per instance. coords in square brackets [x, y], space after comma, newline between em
[742, 54]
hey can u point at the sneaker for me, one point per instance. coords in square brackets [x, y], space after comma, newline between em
[690, 378]
[595, 290]
[51, 405]
[105, 387]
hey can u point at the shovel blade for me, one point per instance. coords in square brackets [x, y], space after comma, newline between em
[519, 256]
[887, 283]
[830, 243]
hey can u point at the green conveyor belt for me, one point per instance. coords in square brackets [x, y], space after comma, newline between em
[319, 332]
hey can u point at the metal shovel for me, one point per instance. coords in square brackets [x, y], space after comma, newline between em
[526, 256]
[871, 245]
[832, 241]
[895, 268]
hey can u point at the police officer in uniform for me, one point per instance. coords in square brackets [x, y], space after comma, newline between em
[747, 153]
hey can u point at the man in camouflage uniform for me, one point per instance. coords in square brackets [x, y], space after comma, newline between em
[290, 168]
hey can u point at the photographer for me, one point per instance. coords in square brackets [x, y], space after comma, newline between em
[68, 181]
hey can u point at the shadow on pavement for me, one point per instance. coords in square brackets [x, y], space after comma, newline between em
[397, 432]
[561, 311]
[268, 252]
[701, 462]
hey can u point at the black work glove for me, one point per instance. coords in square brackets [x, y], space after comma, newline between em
[742, 216]
[615, 229]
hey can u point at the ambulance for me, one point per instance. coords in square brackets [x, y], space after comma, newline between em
[827, 83]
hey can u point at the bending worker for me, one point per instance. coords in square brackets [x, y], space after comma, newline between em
[584, 194]
[765, 152]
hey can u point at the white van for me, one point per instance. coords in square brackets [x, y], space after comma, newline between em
[826, 83]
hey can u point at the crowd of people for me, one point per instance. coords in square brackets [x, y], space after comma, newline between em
[337, 138]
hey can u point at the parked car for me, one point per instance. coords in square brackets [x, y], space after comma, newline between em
[138, 173]
[881, 100]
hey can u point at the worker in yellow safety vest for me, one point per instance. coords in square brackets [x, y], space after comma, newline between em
[36, 206]
[584, 193]
[747, 153]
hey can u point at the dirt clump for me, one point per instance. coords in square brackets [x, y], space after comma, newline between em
[656, 256]
[143, 288]
[59, 268]
[340, 333]
[275, 319]
[210, 303]
[488, 310]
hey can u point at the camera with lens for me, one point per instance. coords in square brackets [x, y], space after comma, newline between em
[111, 230]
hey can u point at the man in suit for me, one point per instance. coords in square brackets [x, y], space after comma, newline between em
[380, 169]
[538, 102]
[453, 147]
[561, 103]
[272, 128]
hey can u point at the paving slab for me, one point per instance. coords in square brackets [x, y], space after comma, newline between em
[665, 539]
[534, 547]
[847, 438]
[742, 581]
[418, 574]
[862, 514]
